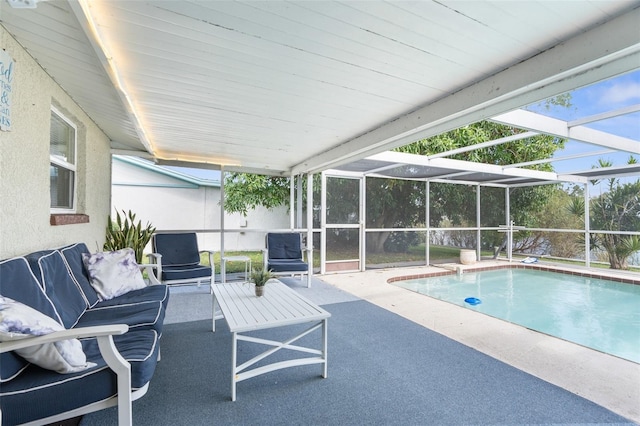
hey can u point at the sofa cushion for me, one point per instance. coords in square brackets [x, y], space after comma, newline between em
[144, 315]
[19, 321]
[63, 291]
[18, 282]
[113, 273]
[73, 256]
[151, 293]
[36, 394]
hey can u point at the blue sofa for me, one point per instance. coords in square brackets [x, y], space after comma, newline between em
[121, 336]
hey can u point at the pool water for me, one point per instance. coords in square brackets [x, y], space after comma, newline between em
[600, 314]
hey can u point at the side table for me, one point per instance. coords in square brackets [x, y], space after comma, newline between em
[247, 266]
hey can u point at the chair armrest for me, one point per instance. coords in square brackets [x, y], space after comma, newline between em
[154, 268]
[265, 258]
[306, 251]
[152, 273]
[213, 266]
[98, 331]
[154, 257]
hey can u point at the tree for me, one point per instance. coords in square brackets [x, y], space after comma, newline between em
[560, 244]
[616, 209]
[244, 192]
[457, 203]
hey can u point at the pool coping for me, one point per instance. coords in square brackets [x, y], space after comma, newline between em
[453, 269]
[607, 380]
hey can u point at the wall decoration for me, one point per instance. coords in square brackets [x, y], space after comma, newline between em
[7, 68]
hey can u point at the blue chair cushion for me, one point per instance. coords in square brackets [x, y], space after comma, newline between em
[170, 273]
[141, 315]
[280, 265]
[73, 256]
[37, 395]
[284, 246]
[177, 249]
[65, 294]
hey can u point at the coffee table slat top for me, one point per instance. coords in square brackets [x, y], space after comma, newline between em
[279, 306]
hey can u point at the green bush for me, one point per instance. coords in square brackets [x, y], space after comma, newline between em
[124, 232]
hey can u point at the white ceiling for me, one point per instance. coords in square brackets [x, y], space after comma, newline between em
[301, 86]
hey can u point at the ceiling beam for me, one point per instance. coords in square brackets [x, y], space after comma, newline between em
[564, 158]
[605, 115]
[487, 144]
[603, 52]
[553, 126]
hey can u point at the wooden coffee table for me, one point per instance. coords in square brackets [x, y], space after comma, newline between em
[279, 307]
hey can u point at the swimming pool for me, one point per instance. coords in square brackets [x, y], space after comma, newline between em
[600, 314]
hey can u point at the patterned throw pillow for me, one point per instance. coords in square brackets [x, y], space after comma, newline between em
[19, 321]
[113, 273]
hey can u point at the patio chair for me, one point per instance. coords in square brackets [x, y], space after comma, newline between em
[177, 260]
[284, 255]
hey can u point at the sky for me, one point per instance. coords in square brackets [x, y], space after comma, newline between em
[612, 94]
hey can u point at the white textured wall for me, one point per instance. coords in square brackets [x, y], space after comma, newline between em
[172, 204]
[24, 165]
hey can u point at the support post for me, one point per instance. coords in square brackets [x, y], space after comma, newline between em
[478, 222]
[310, 226]
[323, 223]
[222, 266]
[291, 203]
[428, 218]
[587, 227]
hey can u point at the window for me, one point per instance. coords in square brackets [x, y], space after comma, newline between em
[62, 170]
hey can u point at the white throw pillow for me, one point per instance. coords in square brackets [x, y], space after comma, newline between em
[19, 321]
[113, 273]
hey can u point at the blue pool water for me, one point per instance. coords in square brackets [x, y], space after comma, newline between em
[600, 314]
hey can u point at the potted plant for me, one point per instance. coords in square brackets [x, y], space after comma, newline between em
[124, 232]
[259, 278]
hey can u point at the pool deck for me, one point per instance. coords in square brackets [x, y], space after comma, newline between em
[607, 380]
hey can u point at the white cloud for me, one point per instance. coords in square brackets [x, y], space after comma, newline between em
[621, 93]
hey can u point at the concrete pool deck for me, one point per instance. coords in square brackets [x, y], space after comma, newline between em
[607, 380]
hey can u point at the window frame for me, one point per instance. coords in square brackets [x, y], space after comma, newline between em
[72, 167]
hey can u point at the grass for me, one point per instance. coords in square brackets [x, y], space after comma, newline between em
[414, 254]
[255, 256]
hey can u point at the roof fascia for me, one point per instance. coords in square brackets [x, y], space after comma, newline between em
[82, 13]
[163, 171]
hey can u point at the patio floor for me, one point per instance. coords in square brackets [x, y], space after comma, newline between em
[609, 381]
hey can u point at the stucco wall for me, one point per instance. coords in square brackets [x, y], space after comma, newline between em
[24, 164]
[173, 204]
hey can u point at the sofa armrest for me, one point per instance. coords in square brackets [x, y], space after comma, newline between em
[108, 350]
[74, 333]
